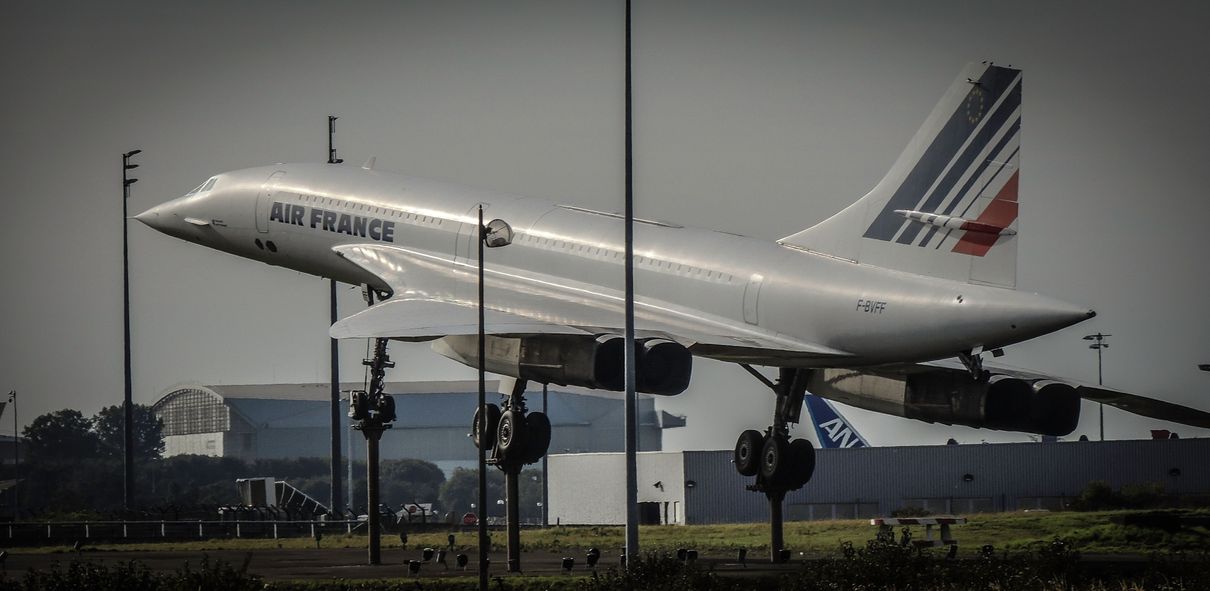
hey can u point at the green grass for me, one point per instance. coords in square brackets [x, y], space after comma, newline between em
[514, 583]
[1091, 532]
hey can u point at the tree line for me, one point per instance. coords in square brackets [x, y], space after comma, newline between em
[73, 469]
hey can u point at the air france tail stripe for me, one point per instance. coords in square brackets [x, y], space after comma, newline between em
[968, 166]
[968, 197]
[994, 125]
[1001, 212]
[994, 83]
[1003, 165]
[965, 195]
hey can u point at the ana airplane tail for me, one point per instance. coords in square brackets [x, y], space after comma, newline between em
[948, 207]
[831, 429]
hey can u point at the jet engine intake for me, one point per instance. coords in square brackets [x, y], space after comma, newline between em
[664, 367]
[954, 398]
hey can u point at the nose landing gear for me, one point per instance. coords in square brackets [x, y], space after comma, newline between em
[512, 438]
[779, 464]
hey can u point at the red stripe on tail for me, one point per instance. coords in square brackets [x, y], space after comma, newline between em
[999, 214]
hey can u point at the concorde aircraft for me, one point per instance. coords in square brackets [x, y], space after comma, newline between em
[888, 305]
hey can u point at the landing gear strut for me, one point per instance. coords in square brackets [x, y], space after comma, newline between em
[973, 361]
[373, 412]
[779, 464]
[513, 439]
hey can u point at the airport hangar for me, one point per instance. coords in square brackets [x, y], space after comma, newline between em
[275, 421]
[701, 487]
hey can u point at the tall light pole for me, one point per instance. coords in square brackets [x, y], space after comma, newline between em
[12, 397]
[495, 234]
[630, 407]
[336, 502]
[545, 465]
[127, 404]
[1099, 344]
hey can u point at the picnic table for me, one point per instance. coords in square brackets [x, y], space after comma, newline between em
[887, 525]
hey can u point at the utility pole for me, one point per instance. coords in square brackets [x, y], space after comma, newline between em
[631, 403]
[127, 404]
[1099, 344]
[545, 467]
[481, 516]
[12, 397]
[337, 504]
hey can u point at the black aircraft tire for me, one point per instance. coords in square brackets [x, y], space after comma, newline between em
[510, 437]
[537, 425]
[748, 452]
[386, 408]
[802, 464]
[493, 421]
[772, 460]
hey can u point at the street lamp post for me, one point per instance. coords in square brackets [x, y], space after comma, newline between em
[334, 494]
[127, 404]
[630, 404]
[1099, 344]
[495, 234]
[12, 397]
[545, 465]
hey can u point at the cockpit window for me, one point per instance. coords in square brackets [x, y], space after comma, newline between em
[202, 188]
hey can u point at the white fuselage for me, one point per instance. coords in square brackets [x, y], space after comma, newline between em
[759, 287]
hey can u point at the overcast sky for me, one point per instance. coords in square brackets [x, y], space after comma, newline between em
[759, 118]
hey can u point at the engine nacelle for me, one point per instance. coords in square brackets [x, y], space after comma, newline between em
[663, 367]
[1002, 402]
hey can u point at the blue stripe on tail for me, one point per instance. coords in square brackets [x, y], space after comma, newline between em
[991, 86]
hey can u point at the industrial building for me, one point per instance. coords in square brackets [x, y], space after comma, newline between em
[12, 450]
[698, 487]
[253, 422]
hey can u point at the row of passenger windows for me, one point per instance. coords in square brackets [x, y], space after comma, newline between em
[383, 211]
[548, 243]
[649, 262]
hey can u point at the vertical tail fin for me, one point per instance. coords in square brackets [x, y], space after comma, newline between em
[831, 429]
[948, 206]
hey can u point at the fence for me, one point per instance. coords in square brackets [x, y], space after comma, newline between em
[61, 531]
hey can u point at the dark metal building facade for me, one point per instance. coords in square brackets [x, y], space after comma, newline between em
[868, 482]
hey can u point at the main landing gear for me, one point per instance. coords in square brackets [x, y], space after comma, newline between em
[373, 411]
[779, 464]
[512, 438]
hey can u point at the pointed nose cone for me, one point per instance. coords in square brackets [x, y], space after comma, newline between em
[155, 218]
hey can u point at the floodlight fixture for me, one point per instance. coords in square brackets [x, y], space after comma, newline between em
[497, 233]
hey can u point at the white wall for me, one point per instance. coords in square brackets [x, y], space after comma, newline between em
[202, 444]
[589, 489]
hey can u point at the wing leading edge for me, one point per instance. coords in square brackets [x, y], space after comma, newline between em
[430, 302]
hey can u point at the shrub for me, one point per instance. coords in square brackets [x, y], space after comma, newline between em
[911, 512]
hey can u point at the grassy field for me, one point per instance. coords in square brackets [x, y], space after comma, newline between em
[1090, 533]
